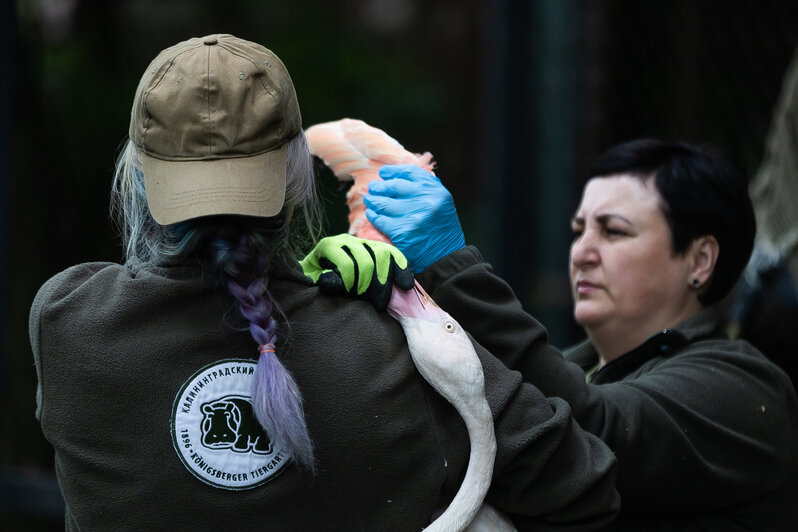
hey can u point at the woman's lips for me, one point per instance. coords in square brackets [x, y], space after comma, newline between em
[586, 287]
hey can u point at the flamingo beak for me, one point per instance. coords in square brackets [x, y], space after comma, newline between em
[426, 300]
[414, 303]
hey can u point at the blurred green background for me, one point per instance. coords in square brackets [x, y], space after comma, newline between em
[514, 98]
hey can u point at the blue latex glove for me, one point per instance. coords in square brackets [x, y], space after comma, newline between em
[413, 208]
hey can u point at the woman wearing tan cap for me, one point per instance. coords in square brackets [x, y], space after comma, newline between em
[207, 384]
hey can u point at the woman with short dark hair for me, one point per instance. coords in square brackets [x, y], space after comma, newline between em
[705, 428]
[701, 192]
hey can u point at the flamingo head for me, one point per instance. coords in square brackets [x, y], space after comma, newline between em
[426, 325]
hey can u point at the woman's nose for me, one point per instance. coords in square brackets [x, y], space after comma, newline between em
[583, 251]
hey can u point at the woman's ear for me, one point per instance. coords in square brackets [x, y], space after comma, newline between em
[704, 255]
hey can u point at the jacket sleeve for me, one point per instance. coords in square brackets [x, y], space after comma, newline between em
[34, 332]
[549, 473]
[711, 426]
[49, 294]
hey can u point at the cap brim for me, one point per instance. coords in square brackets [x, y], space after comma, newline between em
[182, 190]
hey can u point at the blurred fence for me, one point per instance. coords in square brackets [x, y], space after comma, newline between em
[515, 99]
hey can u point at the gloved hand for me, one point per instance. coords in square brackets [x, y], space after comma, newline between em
[413, 208]
[346, 264]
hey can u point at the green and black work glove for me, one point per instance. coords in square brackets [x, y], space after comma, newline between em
[367, 269]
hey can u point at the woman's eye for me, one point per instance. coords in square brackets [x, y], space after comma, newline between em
[449, 326]
[576, 232]
[615, 232]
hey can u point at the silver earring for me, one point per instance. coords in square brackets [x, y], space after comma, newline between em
[695, 283]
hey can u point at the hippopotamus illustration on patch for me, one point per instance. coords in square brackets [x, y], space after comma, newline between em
[229, 423]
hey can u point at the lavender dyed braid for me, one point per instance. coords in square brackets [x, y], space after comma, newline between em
[276, 399]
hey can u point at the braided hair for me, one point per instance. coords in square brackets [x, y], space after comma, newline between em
[238, 252]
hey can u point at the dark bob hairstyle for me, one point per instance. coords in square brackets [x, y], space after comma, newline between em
[702, 194]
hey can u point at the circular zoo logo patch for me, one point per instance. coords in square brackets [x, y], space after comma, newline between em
[214, 429]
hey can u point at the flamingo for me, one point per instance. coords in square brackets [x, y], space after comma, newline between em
[439, 347]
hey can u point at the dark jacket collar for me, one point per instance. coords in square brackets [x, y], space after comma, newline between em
[706, 323]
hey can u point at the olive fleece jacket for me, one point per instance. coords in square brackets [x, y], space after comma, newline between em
[114, 346]
[705, 429]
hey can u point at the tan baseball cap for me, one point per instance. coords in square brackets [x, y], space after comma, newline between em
[210, 119]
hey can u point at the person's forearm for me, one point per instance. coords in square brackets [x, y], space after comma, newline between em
[548, 470]
[465, 286]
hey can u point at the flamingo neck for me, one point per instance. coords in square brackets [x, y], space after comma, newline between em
[469, 497]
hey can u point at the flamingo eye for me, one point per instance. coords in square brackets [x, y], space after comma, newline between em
[449, 326]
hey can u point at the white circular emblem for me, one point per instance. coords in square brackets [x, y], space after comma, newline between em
[214, 430]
